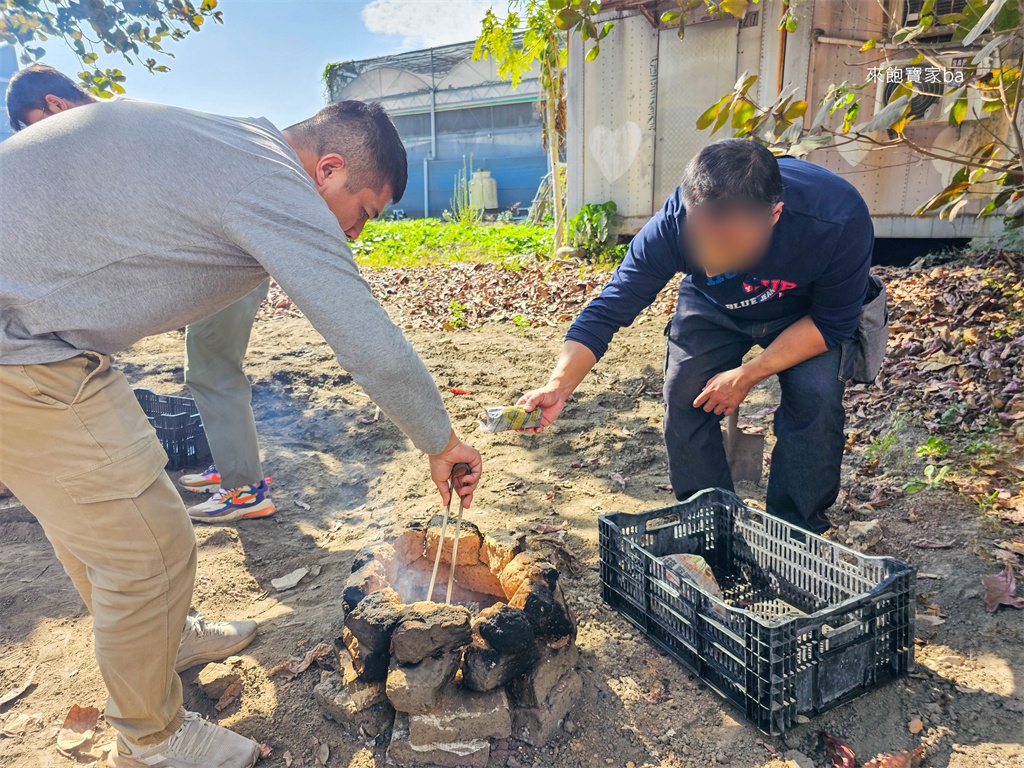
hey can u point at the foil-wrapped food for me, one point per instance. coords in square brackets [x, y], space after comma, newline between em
[500, 418]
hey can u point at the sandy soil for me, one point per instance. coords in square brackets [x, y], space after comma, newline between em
[968, 688]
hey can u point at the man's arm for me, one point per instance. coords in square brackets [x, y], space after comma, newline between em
[282, 222]
[724, 392]
[653, 257]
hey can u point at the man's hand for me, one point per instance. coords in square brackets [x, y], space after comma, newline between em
[549, 399]
[441, 469]
[724, 393]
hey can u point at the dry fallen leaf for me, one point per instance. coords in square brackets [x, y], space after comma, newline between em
[911, 759]
[459, 391]
[323, 754]
[18, 725]
[294, 668]
[14, 693]
[230, 696]
[931, 544]
[78, 729]
[838, 751]
[287, 759]
[616, 477]
[266, 751]
[1001, 589]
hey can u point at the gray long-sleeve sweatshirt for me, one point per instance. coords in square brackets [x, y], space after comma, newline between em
[127, 219]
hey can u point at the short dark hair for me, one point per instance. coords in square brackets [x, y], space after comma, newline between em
[29, 88]
[364, 135]
[732, 173]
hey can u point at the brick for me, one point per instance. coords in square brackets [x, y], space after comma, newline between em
[536, 725]
[428, 629]
[366, 579]
[470, 542]
[415, 687]
[499, 548]
[403, 754]
[215, 679]
[533, 688]
[462, 716]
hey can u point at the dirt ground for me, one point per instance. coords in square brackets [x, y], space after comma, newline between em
[339, 481]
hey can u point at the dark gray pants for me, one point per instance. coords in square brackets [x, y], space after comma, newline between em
[704, 340]
[214, 354]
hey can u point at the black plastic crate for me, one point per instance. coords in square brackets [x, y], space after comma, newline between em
[805, 625]
[177, 424]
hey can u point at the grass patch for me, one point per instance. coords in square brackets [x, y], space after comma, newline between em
[424, 242]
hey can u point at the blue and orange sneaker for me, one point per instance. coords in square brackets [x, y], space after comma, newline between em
[235, 504]
[204, 482]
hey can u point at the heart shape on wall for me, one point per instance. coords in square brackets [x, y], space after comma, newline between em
[615, 150]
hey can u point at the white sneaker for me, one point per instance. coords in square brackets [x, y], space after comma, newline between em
[204, 641]
[207, 481]
[197, 744]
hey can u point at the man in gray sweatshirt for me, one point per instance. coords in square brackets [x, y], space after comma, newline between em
[128, 219]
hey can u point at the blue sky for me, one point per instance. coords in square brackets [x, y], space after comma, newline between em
[267, 58]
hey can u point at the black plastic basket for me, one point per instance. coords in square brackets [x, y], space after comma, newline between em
[804, 625]
[177, 424]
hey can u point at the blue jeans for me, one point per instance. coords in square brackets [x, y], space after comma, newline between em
[704, 340]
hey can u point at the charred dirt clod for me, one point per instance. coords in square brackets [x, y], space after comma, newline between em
[374, 619]
[371, 666]
[544, 607]
[385, 554]
[366, 579]
[414, 688]
[343, 697]
[499, 548]
[427, 629]
[409, 544]
[524, 566]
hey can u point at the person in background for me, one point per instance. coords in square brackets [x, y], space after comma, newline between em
[215, 346]
[776, 254]
[195, 213]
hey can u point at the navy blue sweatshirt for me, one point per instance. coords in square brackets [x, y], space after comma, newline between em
[816, 264]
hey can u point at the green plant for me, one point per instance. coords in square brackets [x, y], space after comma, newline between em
[458, 311]
[981, 448]
[934, 477]
[885, 441]
[591, 230]
[463, 210]
[521, 321]
[123, 27]
[412, 242]
[934, 448]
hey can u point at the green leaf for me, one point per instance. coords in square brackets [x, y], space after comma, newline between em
[926, 7]
[795, 110]
[950, 18]
[869, 45]
[722, 117]
[741, 113]
[567, 18]
[888, 115]
[209, 5]
[985, 21]
[557, 5]
[708, 115]
[593, 52]
[735, 8]
[608, 26]
[670, 17]
[958, 111]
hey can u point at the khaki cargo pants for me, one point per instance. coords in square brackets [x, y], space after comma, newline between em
[77, 450]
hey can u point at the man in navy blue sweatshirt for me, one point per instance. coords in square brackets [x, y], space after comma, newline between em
[776, 254]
